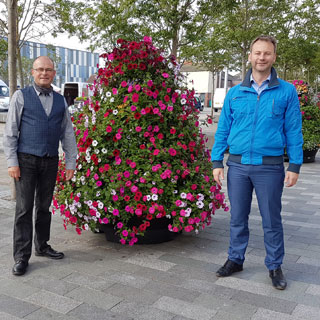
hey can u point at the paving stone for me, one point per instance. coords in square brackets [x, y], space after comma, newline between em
[94, 297]
[150, 261]
[225, 305]
[46, 314]
[53, 301]
[166, 289]
[261, 301]
[86, 312]
[185, 309]
[16, 307]
[127, 278]
[306, 240]
[142, 312]
[306, 312]
[131, 294]
[93, 282]
[16, 288]
[313, 289]
[301, 267]
[264, 314]
[6, 316]
[303, 277]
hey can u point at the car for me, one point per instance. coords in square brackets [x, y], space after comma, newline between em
[198, 104]
[4, 97]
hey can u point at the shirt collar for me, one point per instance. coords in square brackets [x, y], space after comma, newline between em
[253, 81]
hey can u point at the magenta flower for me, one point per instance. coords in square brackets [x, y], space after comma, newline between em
[135, 97]
[165, 75]
[123, 84]
[114, 91]
[99, 183]
[115, 212]
[172, 152]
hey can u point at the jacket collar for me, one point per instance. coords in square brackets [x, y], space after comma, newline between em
[272, 83]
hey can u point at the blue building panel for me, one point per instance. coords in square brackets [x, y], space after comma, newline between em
[73, 65]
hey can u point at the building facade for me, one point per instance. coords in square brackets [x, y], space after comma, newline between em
[72, 65]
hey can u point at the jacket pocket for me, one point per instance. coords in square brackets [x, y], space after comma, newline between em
[277, 109]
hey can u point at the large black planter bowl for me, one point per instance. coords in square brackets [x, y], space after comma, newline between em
[157, 232]
[309, 155]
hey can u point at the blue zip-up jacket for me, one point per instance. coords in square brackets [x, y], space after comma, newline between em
[257, 128]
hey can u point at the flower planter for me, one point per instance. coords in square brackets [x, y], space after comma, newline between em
[309, 155]
[157, 232]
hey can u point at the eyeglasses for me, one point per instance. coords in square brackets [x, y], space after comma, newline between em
[40, 70]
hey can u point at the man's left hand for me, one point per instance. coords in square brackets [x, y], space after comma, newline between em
[291, 178]
[69, 174]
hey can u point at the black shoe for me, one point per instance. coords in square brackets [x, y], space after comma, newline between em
[20, 267]
[50, 253]
[278, 279]
[228, 269]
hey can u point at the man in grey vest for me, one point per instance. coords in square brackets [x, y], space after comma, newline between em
[37, 120]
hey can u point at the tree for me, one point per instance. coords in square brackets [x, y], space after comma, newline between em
[173, 24]
[3, 59]
[34, 20]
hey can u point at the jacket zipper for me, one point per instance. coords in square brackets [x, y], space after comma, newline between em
[254, 127]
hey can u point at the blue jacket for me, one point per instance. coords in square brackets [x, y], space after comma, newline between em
[258, 128]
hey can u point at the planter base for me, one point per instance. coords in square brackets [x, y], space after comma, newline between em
[157, 232]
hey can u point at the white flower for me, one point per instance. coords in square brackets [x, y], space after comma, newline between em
[148, 197]
[89, 203]
[115, 112]
[113, 192]
[183, 101]
[183, 195]
[170, 65]
[98, 215]
[79, 166]
[188, 210]
[154, 197]
[112, 99]
[104, 150]
[96, 151]
[74, 179]
[175, 191]
[82, 178]
[88, 158]
[91, 168]
[86, 227]
[94, 143]
[98, 194]
[100, 205]
[199, 204]
[108, 94]
[200, 196]
[79, 194]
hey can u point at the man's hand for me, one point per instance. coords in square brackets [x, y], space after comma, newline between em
[291, 178]
[14, 172]
[218, 175]
[69, 174]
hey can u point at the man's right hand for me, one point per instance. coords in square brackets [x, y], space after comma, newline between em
[218, 175]
[14, 172]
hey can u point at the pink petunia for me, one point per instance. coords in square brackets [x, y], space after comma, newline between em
[123, 84]
[115, 212]
[99, 183]
[150, 83]
[135, 97]
[172, 152]
[170, 108]
[133, 108]
[114, 90]
[95, 177]
[165, 75]
[125, 233]
[108, 128]
[137, 87]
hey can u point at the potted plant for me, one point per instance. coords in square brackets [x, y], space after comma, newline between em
[310, 111]
[142, 155]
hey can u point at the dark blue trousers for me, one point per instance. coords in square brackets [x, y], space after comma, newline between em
[33, 190]
[267, 181]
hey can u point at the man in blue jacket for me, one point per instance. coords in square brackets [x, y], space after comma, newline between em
[37, 120]
[260, 118]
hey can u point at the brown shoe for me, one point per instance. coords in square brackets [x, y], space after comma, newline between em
[229, 268]
[278, 279]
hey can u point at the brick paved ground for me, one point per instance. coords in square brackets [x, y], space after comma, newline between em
[170, 281]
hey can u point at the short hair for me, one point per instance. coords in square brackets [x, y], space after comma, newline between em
[42, 57]
[265, 38]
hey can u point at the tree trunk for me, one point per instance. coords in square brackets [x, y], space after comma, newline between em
[20, 69]
[12, 57]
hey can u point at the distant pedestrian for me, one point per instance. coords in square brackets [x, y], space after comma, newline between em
[260, 117]
[37, 120]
